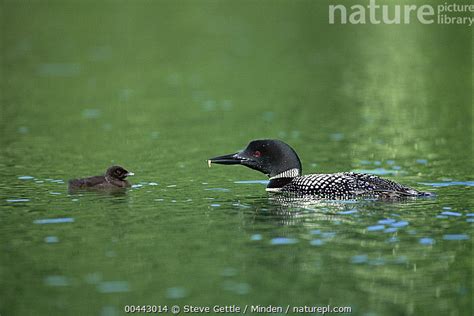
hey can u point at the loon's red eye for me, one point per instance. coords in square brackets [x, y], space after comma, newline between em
[257, 154]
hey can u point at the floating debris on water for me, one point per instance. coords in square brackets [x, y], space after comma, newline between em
[113, 287]
[152, 183]
[54, 220]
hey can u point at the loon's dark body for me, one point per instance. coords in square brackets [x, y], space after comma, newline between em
[281, 163]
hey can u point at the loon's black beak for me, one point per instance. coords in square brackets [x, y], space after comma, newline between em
[231, 159]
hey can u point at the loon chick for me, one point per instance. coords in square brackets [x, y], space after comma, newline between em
[281, 164]
[114, 178]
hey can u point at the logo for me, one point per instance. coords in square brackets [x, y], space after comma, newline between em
[372, 12]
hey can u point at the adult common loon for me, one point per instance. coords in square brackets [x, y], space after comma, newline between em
[282, 165]
[114, 178]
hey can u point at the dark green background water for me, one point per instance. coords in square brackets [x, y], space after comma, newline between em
[159, 87]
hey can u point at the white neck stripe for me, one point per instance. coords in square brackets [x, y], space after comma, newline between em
[287, 174]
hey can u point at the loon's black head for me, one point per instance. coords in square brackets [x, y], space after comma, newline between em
[117, 172]
[270, 156]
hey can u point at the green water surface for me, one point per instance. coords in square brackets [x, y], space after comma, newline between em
[160, 86]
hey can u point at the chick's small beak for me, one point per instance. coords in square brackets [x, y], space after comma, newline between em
[129, 174]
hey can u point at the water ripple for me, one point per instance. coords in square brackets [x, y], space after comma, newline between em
[283, 241]
[113, 287]
[375, 228]
[426, 241]
[448, 183]
[54, 220]
[456, 237]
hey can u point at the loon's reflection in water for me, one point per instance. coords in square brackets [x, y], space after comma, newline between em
[286, 209]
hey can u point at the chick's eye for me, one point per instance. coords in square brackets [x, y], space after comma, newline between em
[257, 154]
